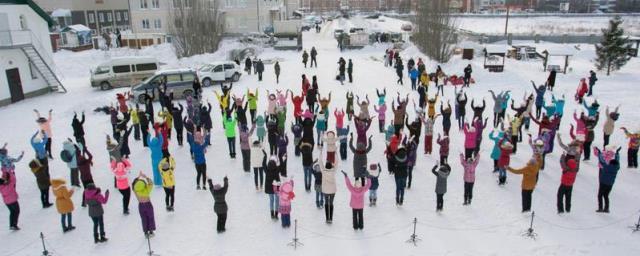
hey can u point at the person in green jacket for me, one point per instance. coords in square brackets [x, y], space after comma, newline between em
[230, 132]
[253, 104]
[142, 187]
[282, 118]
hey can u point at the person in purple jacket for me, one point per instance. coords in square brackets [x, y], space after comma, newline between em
[95, 200]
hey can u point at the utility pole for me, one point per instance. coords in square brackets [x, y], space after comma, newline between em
[258, 15]
[506, 23]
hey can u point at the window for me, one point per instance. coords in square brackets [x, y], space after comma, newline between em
[218, 68]
[173, 78]
[122, 69]
[145, 23]
[143, 4]
[126, 15]
[101, 17]
[228, 66]
[146, 67]
[32, 70]
[188, 3]
[118, 16]
[155, 4]
[109, 17]
[102, 70]
[91, 17]
[157, 23]
[176, 3]
[188, 77]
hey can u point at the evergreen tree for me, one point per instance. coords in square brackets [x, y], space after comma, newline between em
[612, 52]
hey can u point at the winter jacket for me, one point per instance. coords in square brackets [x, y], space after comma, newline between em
[360, 157]
[328, 178]
[413, 74]
[167, 172]
[84, 165]
[444, 146]
[258, 156]
[78, 130]
[244, 137]
[469, 138]
[285, 195]
[45, 125]
[339, 115]
[39, 147]
[252, 98]
[441, 174]
[607, 174]
[357, 193]
[120, 171]
[381, 110]
[219, 192]
[8, 187]
[199, 149]
[559, 103]
[529, 173]
[230, 127]
[330, 140]
[469, 168]
[495, 152]
[41, 172]
[71, 150]
[610, 122]
[505, 154]
[568, 174]
[95, 200]
[64, 203]
[539, 95]
[142, 188]
[271, 175]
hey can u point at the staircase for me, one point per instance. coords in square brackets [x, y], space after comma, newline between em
[43, 68]
[37, 54]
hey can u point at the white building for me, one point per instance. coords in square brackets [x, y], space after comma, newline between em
[244, 16]
[25, 52]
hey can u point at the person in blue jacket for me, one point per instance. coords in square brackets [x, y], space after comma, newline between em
[39, 146]
[201, 163]
[496, 137]
[592, 109]
[540, 90]
[607, 177]
[155, 144]
[414, 74]
[559, 103]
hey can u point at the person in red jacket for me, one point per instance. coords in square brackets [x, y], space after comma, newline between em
[297, 107]
[305, 85]
[503, 162]
[569, 172]
[582, 90]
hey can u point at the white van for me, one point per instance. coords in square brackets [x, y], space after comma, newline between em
[123, 72]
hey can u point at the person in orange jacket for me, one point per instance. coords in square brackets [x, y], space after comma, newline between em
[529, 180]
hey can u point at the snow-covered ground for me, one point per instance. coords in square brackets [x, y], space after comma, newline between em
[492, 225]
[545, 25]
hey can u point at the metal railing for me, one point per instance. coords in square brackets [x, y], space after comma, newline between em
[25, 38]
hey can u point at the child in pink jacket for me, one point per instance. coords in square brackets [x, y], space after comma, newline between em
[469, 166]
[357, 200]
[339, 118]
[469, 140]
[382, 116]
[285, 195]
[120, 171]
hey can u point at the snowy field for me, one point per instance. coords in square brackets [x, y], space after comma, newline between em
[492, 225]
[545, 25]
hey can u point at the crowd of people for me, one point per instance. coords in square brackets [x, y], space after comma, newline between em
[317, 144]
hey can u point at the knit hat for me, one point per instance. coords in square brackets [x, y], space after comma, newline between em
[571, 163]
[539, 142]
[610, 147]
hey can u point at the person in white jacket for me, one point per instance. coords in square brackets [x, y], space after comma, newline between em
[330, 139]
[328, 186]
[258, 163]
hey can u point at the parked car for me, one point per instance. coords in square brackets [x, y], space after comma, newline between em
[356, 30]
[123, 72]
[179, 82]
[406, 27]
[219, 71]
[337, 32]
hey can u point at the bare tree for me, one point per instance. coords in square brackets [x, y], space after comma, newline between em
[197, 26]
[436, 29]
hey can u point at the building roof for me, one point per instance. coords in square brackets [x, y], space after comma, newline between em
[36, 8]
[77, 28]
[61, 13]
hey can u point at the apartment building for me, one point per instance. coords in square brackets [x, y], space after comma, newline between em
[244, 16]
[99, 15]
[152, 16]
